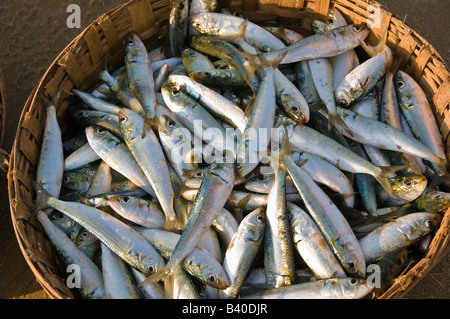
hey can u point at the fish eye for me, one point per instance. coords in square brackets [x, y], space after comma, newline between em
[357, 28]
[207, 75]
[342, 103]
[175, 92]
[408, 182]
[123, 119]
[429, 224]
[199, 174]
[170, 122]
[212, 279]
[261, 177]
[353, 281]
[100, 131]
[330, 20]
[295, 109]
[151, 269]
[84, 234]
[130, 41]
[260, 218]
[67, 179]
[438, 197]
[60, 215]
[352, 265]
[401, 84]
[125, 199]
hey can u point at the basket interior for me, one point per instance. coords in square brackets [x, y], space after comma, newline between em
[103, 40]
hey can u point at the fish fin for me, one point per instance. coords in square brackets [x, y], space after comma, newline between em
[440, 165]
[173, 224]
[153, 124]
[84, 199]
[374, 51]
[249, 107]
[395, 65]
[334, 120]
[369, 49]
[401, 210]
[383, 178]
[382, 43]
[162, 275]
[47, 102]
[342, 196]
[42, 196]
[238, 211]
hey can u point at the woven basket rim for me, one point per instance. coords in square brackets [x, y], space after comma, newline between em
[404, 283]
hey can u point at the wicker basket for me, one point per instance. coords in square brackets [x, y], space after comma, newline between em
[76, 66]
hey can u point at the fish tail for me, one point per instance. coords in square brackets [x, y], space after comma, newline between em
[334, 120]
[42, 196]
[240, 207]
[371, 51]
[284, 152]
[173, 224]
[440, 165]
[53, 102]
[153, 124]
[161, 275]
[383, 177]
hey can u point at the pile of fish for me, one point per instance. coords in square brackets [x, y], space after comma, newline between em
[241, 161]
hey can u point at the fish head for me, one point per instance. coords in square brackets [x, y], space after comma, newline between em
[353, 259]
[120, 202]
[205, 23]
[177, 101]
[298, 112]
[355, 288]
[260, 181]
[335, 19]
[420, 224]
[214, 275]
[409, 186]
[131, 124]
[150, 264]
[358, 32]
[76, 180]
[404, 86]
[100, 138]
[434, 201]
[135, 50]
[82, 116]
[318, 26]
[348, 91]
[255, 224]
[85, 238]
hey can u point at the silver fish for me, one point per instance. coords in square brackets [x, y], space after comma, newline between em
[241, 252]
[91, 277]
[312, 246]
